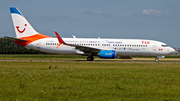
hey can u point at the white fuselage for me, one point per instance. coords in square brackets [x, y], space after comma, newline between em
[123, 47]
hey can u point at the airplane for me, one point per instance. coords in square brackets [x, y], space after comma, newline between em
[104, 48]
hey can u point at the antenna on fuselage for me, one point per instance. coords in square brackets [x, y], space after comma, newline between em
[74, 36]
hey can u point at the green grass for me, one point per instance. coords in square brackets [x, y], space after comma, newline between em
[87, 81]
[75, 57]
[40, 57]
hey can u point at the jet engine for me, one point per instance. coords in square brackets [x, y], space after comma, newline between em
[108, 54]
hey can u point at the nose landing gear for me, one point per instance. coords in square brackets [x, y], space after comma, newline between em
[157, 60]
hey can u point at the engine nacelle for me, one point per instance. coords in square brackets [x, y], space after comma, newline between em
[109, 54]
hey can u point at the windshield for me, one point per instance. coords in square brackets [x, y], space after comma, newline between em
[164, 45]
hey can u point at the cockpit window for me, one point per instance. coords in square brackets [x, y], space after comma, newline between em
[164, 45]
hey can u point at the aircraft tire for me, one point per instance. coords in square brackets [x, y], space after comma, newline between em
[90, 58]
[157, 60]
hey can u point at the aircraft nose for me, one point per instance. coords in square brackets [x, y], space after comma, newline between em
[171, 50]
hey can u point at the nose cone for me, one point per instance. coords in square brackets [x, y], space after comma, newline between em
[171, 50]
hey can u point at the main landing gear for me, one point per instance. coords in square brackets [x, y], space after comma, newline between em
[90, 58]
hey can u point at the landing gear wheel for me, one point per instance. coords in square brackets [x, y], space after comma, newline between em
[157, 60]
[90, 58]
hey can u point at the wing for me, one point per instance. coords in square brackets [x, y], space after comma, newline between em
[85, 49]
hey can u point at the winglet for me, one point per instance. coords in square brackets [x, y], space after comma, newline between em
[59, 39]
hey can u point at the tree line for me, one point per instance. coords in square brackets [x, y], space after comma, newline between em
[8, 46]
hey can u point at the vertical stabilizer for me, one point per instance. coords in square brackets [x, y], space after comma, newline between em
[21, 25]
[23, 29]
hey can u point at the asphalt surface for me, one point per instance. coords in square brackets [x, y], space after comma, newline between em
[103, 61]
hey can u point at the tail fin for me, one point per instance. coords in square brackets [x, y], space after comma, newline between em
[21, 25]
[23, 29]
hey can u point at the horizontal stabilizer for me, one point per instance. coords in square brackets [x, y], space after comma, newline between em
[12, 38]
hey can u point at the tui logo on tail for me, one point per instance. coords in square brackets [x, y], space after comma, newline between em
[22, 30]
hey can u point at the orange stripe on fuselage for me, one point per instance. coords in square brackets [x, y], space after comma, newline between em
[31, 39]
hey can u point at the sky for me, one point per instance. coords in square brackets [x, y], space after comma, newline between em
[121, 19]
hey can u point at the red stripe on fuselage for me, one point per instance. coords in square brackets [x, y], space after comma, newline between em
[31, 39]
